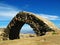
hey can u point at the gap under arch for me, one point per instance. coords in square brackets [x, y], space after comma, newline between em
[26, 29]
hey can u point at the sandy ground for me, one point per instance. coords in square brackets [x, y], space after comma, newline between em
[26, 39]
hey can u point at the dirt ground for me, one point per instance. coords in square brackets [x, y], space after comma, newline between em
[30, 39]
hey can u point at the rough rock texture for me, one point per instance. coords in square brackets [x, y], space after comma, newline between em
[49, 23]
[39, 25]
[3, 35]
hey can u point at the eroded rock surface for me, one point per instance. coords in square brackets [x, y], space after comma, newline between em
[39, 25]
[3, 35]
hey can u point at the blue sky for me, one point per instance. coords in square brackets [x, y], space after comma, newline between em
[49, 9]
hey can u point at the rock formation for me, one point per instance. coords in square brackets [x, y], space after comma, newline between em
[39, 25]
[3, 35]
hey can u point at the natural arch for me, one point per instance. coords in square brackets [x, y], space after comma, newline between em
[38, 25]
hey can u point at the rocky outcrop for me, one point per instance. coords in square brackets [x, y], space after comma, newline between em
[39, 25]
[3, 35]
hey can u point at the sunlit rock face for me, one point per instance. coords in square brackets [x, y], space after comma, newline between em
[3, 35]
[39, 25]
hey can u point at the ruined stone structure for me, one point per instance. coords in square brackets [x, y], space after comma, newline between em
[39, 26]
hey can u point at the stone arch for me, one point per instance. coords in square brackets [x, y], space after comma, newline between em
[13, 28]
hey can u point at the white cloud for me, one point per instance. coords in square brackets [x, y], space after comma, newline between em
[10, 11]
[6, 10]
[50, 17]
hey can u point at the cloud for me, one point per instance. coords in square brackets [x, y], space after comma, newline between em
[6, 10]
[10, 11]
[50, 17]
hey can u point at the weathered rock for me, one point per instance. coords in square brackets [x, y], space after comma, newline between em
[3, 35]
[39, 24]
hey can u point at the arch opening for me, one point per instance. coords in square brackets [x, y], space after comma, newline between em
[26, 29]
